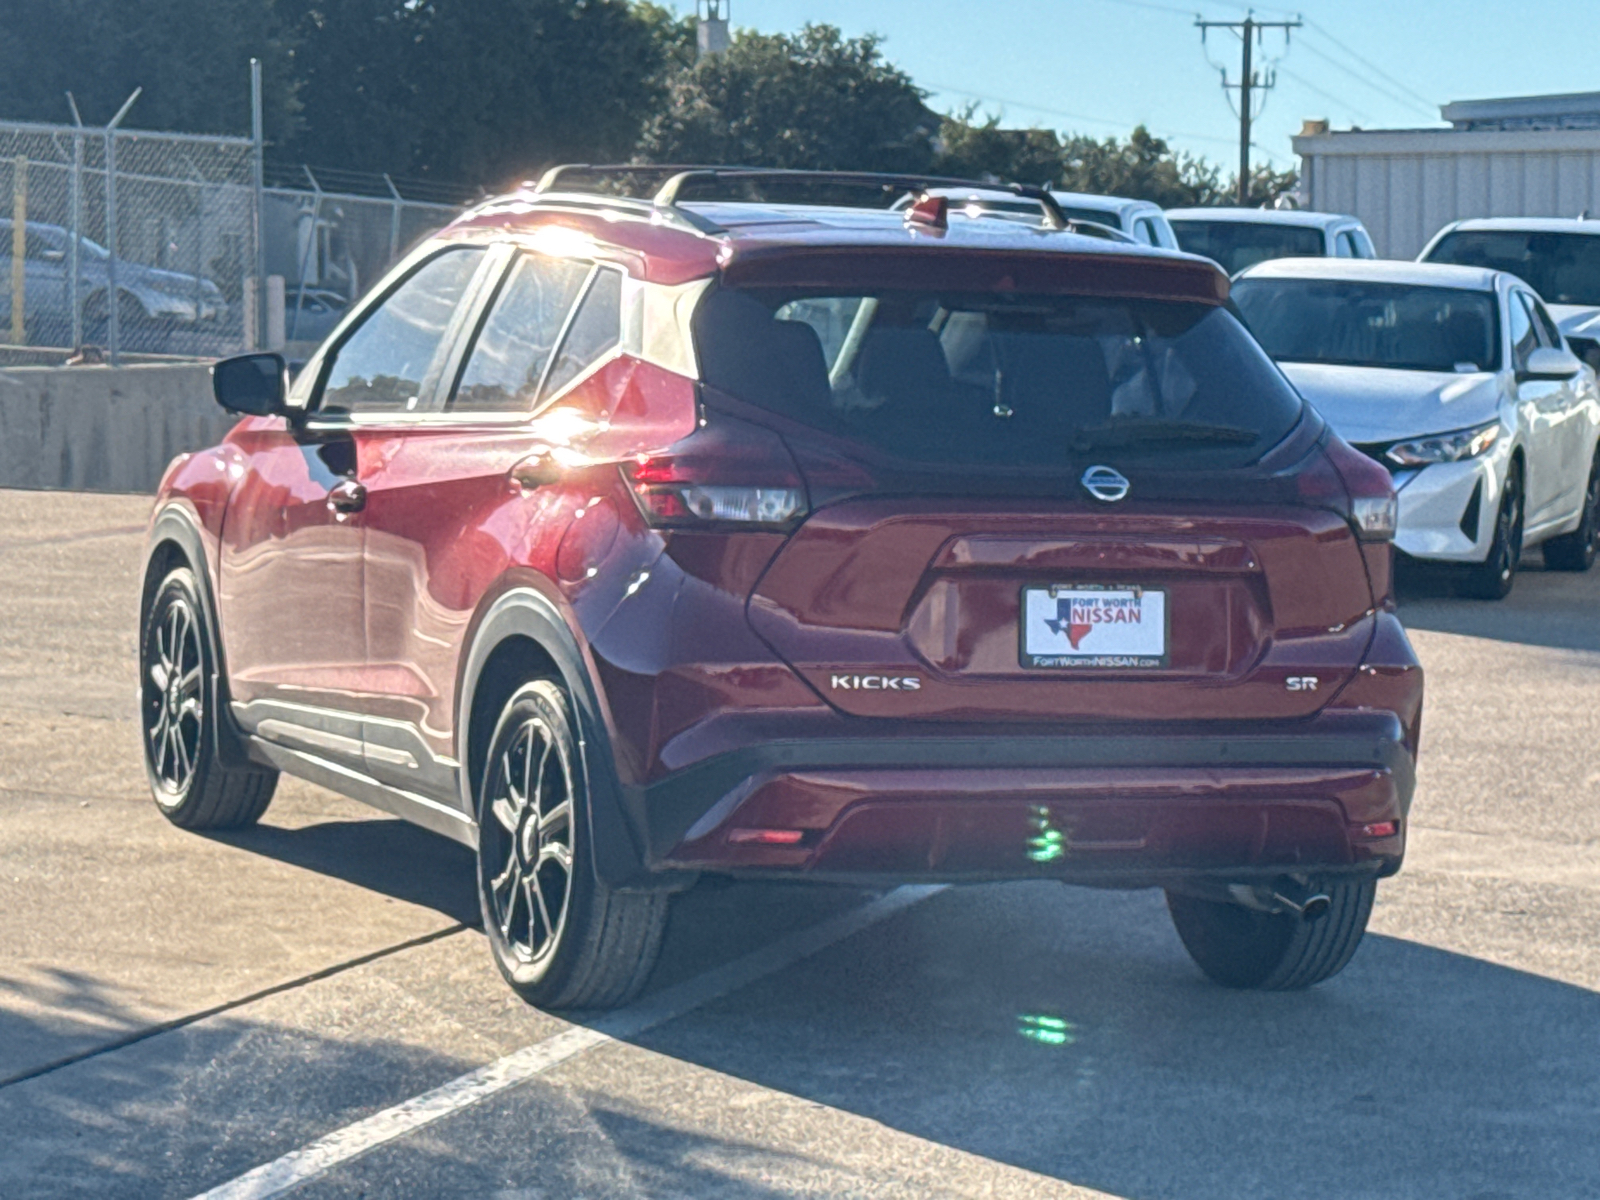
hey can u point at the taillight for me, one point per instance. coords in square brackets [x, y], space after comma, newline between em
[729, 473]
[1362, 491]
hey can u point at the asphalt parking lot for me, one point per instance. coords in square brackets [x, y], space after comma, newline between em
[1022, 1041]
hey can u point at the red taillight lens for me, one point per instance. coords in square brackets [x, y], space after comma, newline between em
[729, 473]
[1349, 482]
[766, 837]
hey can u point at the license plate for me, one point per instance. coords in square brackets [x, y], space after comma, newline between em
[1085, 625]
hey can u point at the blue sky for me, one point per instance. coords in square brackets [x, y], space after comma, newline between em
[1103, 66]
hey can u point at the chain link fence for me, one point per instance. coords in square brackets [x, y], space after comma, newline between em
[146, 243]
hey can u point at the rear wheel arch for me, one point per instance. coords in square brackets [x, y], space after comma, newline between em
[522, 635]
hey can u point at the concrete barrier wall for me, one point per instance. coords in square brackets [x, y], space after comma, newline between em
[103, 429]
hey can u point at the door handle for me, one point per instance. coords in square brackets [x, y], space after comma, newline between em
[347, 496]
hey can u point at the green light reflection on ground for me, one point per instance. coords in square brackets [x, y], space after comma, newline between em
[1047, 1030]
[1048, 843]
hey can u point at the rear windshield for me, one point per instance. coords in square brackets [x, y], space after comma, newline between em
[1564, 268]
[1354, 323]
[1240, 244]
[998, 379]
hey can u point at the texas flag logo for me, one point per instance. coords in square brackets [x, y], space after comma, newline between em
[1072, 619]
[1094, 626]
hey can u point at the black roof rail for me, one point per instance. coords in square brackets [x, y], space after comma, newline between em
[679, 175]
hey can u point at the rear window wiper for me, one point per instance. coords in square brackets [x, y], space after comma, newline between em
[1128, 431]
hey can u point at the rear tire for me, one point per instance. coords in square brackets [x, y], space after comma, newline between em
[560, 937]
[1575, 551]
[1492, 578]
[1240, 947]
[177, 707]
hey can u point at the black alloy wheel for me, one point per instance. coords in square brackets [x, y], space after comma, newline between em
[1576, 551]
[559, 935]
[191, 785]
[526, 841]
[173, 696]
[1492, 579]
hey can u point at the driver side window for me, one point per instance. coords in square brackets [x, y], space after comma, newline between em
[1524, 339]
[390, 362]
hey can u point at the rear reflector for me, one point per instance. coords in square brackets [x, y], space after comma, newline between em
[766, 837]
[1381, 829]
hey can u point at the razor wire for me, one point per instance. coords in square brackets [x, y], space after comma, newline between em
[162, 227]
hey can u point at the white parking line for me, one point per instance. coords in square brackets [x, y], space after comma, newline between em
[298, 1166]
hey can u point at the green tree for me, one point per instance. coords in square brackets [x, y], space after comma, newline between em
[814, 100]
[981, 149]
[1266, 185]
[480, 90]
[192, 57]
[1144, 167]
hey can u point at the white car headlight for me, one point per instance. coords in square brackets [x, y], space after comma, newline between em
[1444, 447]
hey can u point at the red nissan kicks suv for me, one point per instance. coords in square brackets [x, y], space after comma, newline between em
[629, 539]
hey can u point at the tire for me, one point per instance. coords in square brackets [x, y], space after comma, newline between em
[560, 937]
[1492, 578]
[1240, 947]
[191, 787]
[1575, 551]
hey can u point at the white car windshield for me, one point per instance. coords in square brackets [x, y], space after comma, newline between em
[1564, 268]
[1357, 323]
[1236, 245]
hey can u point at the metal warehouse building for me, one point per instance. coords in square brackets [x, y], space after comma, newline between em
[1532, 156]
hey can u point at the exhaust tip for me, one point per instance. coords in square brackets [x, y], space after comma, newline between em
[1316, 907]
[1299, 899]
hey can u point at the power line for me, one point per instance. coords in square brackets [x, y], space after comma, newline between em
[1371, 66]
[1071, 116]
[1365, 82]
[1145, 4]
[1342, 103]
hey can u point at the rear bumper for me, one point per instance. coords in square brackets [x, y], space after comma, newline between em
[1108, 807]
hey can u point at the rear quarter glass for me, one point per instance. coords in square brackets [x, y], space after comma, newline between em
[968, 378]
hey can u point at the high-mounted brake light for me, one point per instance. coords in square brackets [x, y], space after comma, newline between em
[932, 211]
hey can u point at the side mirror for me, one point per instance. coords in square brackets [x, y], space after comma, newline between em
[254, 385]
[1551, 364]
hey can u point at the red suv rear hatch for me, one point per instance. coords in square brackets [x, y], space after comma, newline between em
[955, 565]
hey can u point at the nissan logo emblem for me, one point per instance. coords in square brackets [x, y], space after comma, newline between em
[1105, 484]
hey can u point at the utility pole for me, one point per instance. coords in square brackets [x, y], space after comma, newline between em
[1249, 31]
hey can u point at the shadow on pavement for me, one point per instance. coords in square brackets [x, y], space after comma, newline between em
[1066, 1033]
[1061, 1032]
[384, 855]
[1546, 608]
[186, 1111]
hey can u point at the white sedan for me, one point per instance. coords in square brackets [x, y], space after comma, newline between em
[1458, 381]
